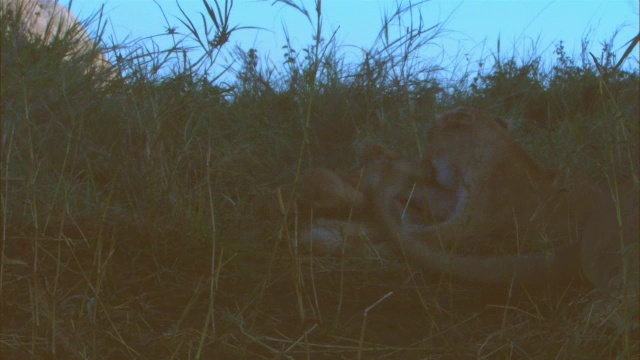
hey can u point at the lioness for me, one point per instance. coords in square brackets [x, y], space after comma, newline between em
[503, 190]
[500, 190]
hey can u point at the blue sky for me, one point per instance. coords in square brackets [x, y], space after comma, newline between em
[471, 27]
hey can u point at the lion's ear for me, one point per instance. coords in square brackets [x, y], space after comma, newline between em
[373, 151]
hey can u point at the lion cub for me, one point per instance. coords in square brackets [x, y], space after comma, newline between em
[342, 211]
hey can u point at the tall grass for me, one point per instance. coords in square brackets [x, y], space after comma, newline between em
[152, 216]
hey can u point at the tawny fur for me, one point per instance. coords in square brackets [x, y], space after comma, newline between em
[508, 192]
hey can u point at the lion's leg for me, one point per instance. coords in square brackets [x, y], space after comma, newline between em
[384, 207]
[530, 269]
[442, 220]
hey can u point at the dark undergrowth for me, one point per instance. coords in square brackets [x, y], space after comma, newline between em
[149, 216]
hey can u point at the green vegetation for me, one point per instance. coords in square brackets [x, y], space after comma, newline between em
[151, 217]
